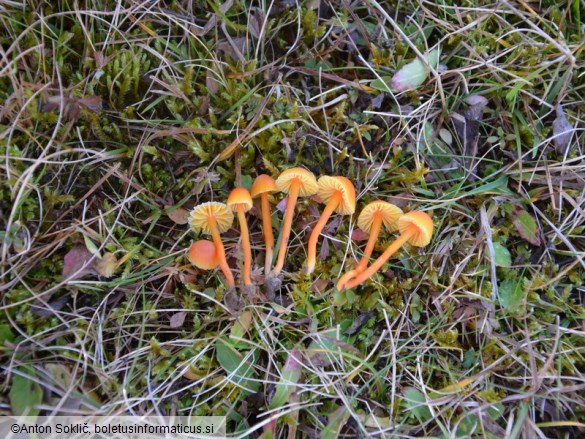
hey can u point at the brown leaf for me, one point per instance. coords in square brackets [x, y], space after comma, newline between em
[324, 252]
[178, 319]
[211, 83]
[92, 103]
[562, 131]
[359, 235]
[106, 265]
[319, 285]
[76, 261]
[179, 215]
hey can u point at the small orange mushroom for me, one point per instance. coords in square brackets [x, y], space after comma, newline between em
[240, 202]
[202, 254]
[415, 228]
[296, 182]
[339, 194]
[214, 218]
[262, 187]
[370, 221]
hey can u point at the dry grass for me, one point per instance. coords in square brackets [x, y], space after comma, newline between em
[118, 117]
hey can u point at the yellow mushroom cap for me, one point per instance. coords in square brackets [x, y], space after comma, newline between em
[308, 181]
[203, 255]
[328, 186]
[200, 217]
[390, 214]
[263, 184]
[424, 224]
[240, 197]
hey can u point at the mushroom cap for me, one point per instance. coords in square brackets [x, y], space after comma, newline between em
[328, 186]
[390, 214]
[203, 255]
[424, 224]
[200, 217]
[263, 184]
[308, 181]
[240, 198]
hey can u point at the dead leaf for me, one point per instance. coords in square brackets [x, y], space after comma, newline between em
[178, 319]
[324, 252]
[211, 83]
[106, 265]
[562, 132]
[178, 215]
[256, 22]
[281, 206]
[319, 285]
[359, 235]
[77, 261]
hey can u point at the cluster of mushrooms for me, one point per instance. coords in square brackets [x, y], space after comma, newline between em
[338, 195]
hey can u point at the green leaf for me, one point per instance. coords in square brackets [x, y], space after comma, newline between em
[5, 334]
[247, 182]
[382, 84]
[526, 226]
[414, 74]
[238, 366]
[25, 393]
[417, 404]
[291, 373]
[337, 421]
[502, 255]
[511, 294]
[89, 244]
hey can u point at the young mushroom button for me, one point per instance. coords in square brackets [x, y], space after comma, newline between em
[296, 182]
[240, 202]
[415, 228]
[370, 221]
[214, 218]
[339, 194]
[262, 187]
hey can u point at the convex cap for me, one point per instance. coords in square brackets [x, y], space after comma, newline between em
[328, 186]
[240, 197]
[308, 181]
[263, 184]
[424, 224]
[202, 254]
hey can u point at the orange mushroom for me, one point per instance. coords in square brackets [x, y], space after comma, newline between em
[262, 187]
[214, 218]
[240, 202]
[415, 228]
[339, 194]
[296, 182]
[370, 221]
[202, 254]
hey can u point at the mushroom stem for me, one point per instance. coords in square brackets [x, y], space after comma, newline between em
[267, 229]
[221, 254]
[361, 266]
[312, 250]
[245, 246]
[287, 223]
[377, 264]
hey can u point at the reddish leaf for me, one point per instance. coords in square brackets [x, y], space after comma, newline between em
[359, 235]
[75, 260]
[178, 319]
